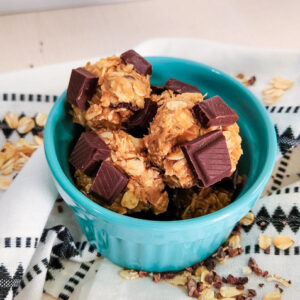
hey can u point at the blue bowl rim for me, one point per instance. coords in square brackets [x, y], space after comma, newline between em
[99, 211]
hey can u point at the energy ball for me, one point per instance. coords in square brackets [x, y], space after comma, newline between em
[145, 187]
[123, 84]
[174, 125]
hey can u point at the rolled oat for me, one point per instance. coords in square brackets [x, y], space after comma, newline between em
[248, 219]
[283, 242]
[25, 125]
[273, 295]
[5, 182]
[264, 241]
[12, 120]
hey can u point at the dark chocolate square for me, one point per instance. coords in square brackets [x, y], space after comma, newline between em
[109, 182]
[180, 87]
[140, 64]
[82, 86]
[88, 153]
[208, 157]
[142, 118]
[214, 112]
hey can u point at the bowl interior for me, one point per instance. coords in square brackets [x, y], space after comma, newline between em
[256, 129]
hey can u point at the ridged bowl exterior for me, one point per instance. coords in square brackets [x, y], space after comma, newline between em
[168, 245]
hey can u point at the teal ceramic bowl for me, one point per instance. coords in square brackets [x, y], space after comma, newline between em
[168, 245]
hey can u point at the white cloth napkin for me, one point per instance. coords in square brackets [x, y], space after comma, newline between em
[24, 210]
[72, 268]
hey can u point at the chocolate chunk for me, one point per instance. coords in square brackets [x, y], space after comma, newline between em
[214, 112]
[242, 280]
[142, 118]
[88, 153]
[233, 252]
[231, 279]
[210, 263]
[109, 182]
[251, 293]
[192, 288]
[143, 274]
[180, 87]
[221, 253]
[156, 277]
[209, 278]
[82, 86]
[208, 157]
[140, 64]
[157, 89]
[217, 285]
[228, 183]
[125, 105]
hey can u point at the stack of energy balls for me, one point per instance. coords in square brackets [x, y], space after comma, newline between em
[147, 151]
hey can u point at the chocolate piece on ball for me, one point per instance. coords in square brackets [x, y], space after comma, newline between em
[180, 87]
[82, 86]
[88, 153]
[208, 157]
[140, 64]
[109, 182]
[142, 118]
[214, 112]
[157, 89]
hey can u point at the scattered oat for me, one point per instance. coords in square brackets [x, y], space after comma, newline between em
[230, 291]
[129, 274]
[279, 279]
[41, 119]
[20, 162]
[38, 140]
[264, 241]
[234, 241]
[8, 168]
[273, 295]
[281, 83]
[180, 279]
[8, 150]
[207, 294]
[271, 95]
[13, 157]
[23, 146]
[12, 120]
[248, 219]
[283, 242]
[5, 182]
[246, 270]
[278, 86]
[25, 125]
[201, 270]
